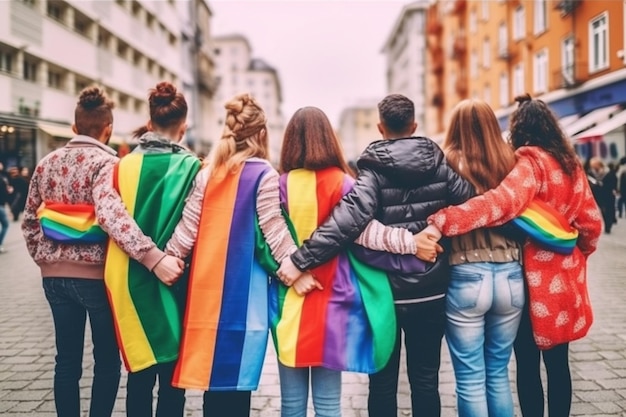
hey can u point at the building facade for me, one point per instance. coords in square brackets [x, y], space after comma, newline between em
[237, 71]
[569, 53]
[52, 49]
[358, 128]
[405, 52]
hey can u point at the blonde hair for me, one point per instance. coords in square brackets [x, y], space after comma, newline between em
[244, 135]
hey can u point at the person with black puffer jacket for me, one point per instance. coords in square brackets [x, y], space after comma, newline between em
[402, 180]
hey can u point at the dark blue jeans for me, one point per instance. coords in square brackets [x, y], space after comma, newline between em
[71, 300]
[139, 397]
[423, 325]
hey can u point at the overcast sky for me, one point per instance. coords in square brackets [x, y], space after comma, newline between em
[327, 53]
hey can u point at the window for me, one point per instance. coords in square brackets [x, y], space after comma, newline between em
[474, 64]
[484, 9]
[55, 10]
[55, 79]
[80, 85]
[519, 23]
[122, 49]
[486, 53]
[487, 94]
[567, 60]
[504, 89]
[541, 16]
[540, 72]
[598, 43]
[30, 70]
[473, 22]
[518, 80]
[6, 62]
[503, 39]
[30, 3]
[104, 39]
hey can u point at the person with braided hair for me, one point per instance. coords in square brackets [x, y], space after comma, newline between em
[153, 181]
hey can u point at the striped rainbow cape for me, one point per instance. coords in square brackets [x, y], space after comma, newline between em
[70, 223]
[350, 325]
[145, 311]
[225, 330]
[547, 227]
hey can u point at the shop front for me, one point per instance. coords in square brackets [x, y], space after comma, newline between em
[18, 141]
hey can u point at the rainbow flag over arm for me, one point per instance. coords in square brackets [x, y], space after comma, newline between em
[145, 312]
[351, 324]
[70, 223]
[547, 227]
[225, 330]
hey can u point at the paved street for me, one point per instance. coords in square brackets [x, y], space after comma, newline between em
[27, 347]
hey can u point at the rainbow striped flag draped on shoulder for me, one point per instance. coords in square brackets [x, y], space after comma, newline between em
[350, 325]
[225, 331]
[147, 319]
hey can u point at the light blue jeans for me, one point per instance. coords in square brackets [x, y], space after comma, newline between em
[294, 391]
[4, 223]
[483, 310]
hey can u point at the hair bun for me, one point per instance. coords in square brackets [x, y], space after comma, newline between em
[237, 103]
[521, 99]
[163, 94]
[91, 98]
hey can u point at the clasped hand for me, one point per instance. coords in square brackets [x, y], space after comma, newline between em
[426, 243]
[169, 269]
[302, 282]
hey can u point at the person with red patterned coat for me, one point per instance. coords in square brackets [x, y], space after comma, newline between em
[558, 307]
[79, 176]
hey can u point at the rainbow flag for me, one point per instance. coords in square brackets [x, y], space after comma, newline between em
[70, 223]
[225, 331]
[351, 324]
[146, 314]
[547, 227]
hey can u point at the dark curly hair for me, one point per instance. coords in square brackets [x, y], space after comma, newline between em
[534, 124]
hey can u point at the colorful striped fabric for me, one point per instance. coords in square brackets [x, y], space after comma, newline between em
[348, 326]
[547, 227]
[225, 331]
[146, 314]
[70, 223]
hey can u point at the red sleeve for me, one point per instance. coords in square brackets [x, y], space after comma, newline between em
[493, 208]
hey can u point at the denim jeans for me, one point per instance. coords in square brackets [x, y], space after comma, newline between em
[71, 300]
[4, 222]
[483, 308]
[423, 325]
[294, 391]
[139, 397]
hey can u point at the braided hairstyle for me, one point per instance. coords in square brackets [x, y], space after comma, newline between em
[244, 135]
[534, 124]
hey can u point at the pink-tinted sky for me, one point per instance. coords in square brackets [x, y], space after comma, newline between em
[327, 53]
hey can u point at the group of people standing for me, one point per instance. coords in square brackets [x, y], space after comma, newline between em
[13, 190]
[186, 267]
[608, 183]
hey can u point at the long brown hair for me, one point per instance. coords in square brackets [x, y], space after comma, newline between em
[168, 108]
[94, 112]
[310, 142]
[244, 135]
[474, 146]
[534, 124]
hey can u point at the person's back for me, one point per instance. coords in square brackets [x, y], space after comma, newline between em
[402, 179]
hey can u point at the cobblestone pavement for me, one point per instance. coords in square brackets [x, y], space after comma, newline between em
[27, 347]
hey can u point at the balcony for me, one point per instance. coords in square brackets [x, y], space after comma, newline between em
[437, 60]
[459, 6]
[437, 100]
[461, 87]
[566, 6]
[434, 27]
[459, 47]
[570, 76]
[504, 53]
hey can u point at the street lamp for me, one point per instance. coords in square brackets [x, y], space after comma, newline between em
[7, 129]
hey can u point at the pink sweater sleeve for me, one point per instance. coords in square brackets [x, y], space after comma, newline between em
[119, 224]
[379, 237]
[493, 208]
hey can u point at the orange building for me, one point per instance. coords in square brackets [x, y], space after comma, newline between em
[569, 53]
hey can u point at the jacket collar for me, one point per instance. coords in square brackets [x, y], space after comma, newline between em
[82, 141]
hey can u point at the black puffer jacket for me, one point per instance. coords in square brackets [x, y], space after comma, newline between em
[401, 182]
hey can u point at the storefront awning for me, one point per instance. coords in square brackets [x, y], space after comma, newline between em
[602, 128]
[57, 130]
[590, 119]
[568, 120]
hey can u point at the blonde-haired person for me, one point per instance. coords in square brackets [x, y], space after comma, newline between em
[486, 290]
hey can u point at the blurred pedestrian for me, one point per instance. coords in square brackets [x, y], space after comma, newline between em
[19, 180]
[621, 175]
[558, 308]
[153, 181]
[5, 198]
[71, 208]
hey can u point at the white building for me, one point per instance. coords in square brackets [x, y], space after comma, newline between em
[405, 51]
[52, 49]
[358, 128]
[238, 72]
